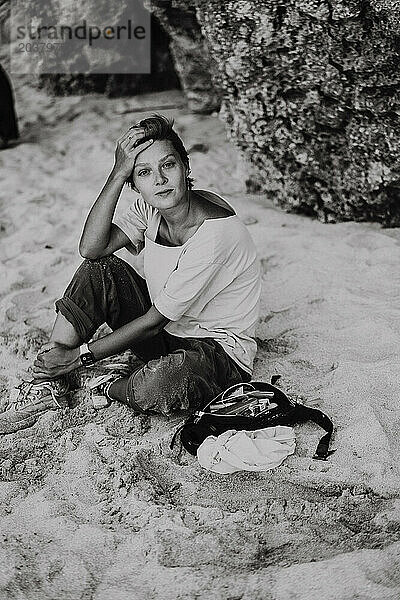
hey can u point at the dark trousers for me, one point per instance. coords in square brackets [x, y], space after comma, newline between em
[177, 373]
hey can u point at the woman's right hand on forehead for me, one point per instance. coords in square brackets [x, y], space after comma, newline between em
[126, 152]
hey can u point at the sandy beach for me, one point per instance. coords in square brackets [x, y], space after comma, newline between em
[95, 505]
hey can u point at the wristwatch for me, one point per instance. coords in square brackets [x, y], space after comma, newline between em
[85, 356]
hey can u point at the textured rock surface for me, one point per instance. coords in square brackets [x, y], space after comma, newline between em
[194, 65]
[311, 97]
[162, 76]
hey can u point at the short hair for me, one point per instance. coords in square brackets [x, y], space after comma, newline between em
[158, 127]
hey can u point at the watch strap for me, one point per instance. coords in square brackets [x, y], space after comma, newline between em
[86, 356]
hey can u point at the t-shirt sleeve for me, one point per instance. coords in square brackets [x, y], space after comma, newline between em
[134, 222]
[199, 269]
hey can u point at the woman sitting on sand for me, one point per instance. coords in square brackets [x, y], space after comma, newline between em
[191, 321]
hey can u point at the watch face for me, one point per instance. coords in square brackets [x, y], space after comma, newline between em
[87, 359]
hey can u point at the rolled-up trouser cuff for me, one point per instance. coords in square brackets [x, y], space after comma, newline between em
[80, 321]
[131, 398]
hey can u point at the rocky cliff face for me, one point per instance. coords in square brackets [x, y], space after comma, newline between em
[194, 63]
[162, 77]
[112, 81]
[308, 89]
[310, 94]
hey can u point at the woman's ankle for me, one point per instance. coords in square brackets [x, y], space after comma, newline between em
[116, 390]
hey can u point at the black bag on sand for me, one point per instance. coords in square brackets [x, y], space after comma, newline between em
[251, 406]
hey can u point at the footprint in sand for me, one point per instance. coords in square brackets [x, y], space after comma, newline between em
[249, 220]
[280, 344]
[267, 264]
[28, 300]
[27, 305]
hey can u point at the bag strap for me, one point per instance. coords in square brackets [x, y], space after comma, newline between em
[233, 388]
[172, 444]
[306, 413]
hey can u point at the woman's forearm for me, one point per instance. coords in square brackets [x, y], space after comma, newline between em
[97, 232]
[97, 229]
[55, 359]
[126, 336]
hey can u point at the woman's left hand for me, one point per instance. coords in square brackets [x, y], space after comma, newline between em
[54, 360]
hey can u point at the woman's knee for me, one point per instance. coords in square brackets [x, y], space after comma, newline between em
[86, 298]
[172, 382]
[103, 262]
[94, 276]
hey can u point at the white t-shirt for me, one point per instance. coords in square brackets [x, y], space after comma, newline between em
[209, 287]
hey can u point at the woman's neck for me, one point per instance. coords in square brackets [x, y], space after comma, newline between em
[180, 216]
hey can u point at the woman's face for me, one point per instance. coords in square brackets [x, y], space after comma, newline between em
[160, 176]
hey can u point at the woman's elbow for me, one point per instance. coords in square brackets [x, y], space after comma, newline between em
[88, 253]
[158, 323]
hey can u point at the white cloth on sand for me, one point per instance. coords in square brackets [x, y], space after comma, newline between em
[258, 450]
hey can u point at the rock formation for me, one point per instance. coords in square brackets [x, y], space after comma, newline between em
[310, 94]
[162, 77]
[194, 64]
[308, 89]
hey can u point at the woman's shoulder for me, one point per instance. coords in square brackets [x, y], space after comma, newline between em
[216, 204]
[222, 238]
